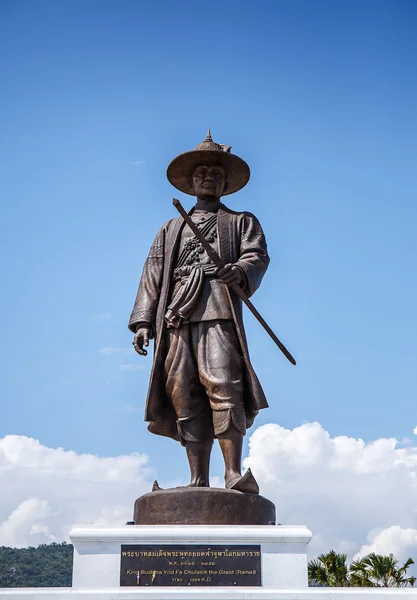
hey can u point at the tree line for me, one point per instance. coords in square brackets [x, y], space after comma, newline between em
[372, 570]
[48, 565]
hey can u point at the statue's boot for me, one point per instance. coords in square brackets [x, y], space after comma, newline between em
[198, 454]
[231, 442]
[247, 484]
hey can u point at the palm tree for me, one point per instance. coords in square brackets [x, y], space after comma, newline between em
[375, 570]
[329, 570]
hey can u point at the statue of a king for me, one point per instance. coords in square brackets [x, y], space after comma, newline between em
[202, 384]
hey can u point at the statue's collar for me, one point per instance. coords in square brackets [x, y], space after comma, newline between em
[210, 207]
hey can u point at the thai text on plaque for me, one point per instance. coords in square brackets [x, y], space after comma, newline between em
[202, 565]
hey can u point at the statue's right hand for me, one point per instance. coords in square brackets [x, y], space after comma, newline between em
[141, 339]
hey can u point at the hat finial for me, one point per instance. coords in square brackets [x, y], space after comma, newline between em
[208, 136]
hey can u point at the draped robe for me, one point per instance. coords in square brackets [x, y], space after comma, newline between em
[241, 241]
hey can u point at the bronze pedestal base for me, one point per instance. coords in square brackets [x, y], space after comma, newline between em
[203, 506]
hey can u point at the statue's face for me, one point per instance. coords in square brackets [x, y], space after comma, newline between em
[208, 181]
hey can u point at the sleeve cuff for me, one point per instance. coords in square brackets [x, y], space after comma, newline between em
[135, 326]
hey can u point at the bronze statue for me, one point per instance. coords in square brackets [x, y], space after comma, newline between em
[202, 384]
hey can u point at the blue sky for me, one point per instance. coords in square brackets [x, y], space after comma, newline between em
[318, 97]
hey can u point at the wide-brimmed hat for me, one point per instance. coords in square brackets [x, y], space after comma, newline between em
[208, 153]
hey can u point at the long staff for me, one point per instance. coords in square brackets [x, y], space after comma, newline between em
[236, 288]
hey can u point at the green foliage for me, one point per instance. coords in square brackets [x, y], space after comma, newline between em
[329, 570]
[48, 565]
[373, 570]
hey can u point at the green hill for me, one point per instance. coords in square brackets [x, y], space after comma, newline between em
[48, 565]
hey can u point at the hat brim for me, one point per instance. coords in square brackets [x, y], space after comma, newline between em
[180, 169]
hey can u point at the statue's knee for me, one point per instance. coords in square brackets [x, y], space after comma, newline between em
[231, 418]
[196, 429]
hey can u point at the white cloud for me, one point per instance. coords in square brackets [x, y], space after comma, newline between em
[415, 430]
[133, 408]
[47, 490]
[101, 317]
[137, 163]
[132, 367]
[109, 351]
[402, 542]
[26, 524]
[356, 497]
[343, 489]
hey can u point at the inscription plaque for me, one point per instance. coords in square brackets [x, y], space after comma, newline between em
[150, 565]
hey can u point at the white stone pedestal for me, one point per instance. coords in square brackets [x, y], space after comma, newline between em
[97, 550]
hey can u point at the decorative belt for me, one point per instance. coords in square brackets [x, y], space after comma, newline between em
[184, 272]
[186, 298]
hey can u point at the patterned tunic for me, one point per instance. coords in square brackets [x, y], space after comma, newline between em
[196, 284]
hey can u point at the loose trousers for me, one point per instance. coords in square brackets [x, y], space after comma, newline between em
[204, 379]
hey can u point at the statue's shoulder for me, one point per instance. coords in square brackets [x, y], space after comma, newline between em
[238, 213]
[171, 227]
[168, 224]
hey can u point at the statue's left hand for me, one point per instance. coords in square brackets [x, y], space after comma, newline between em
[231, 275]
